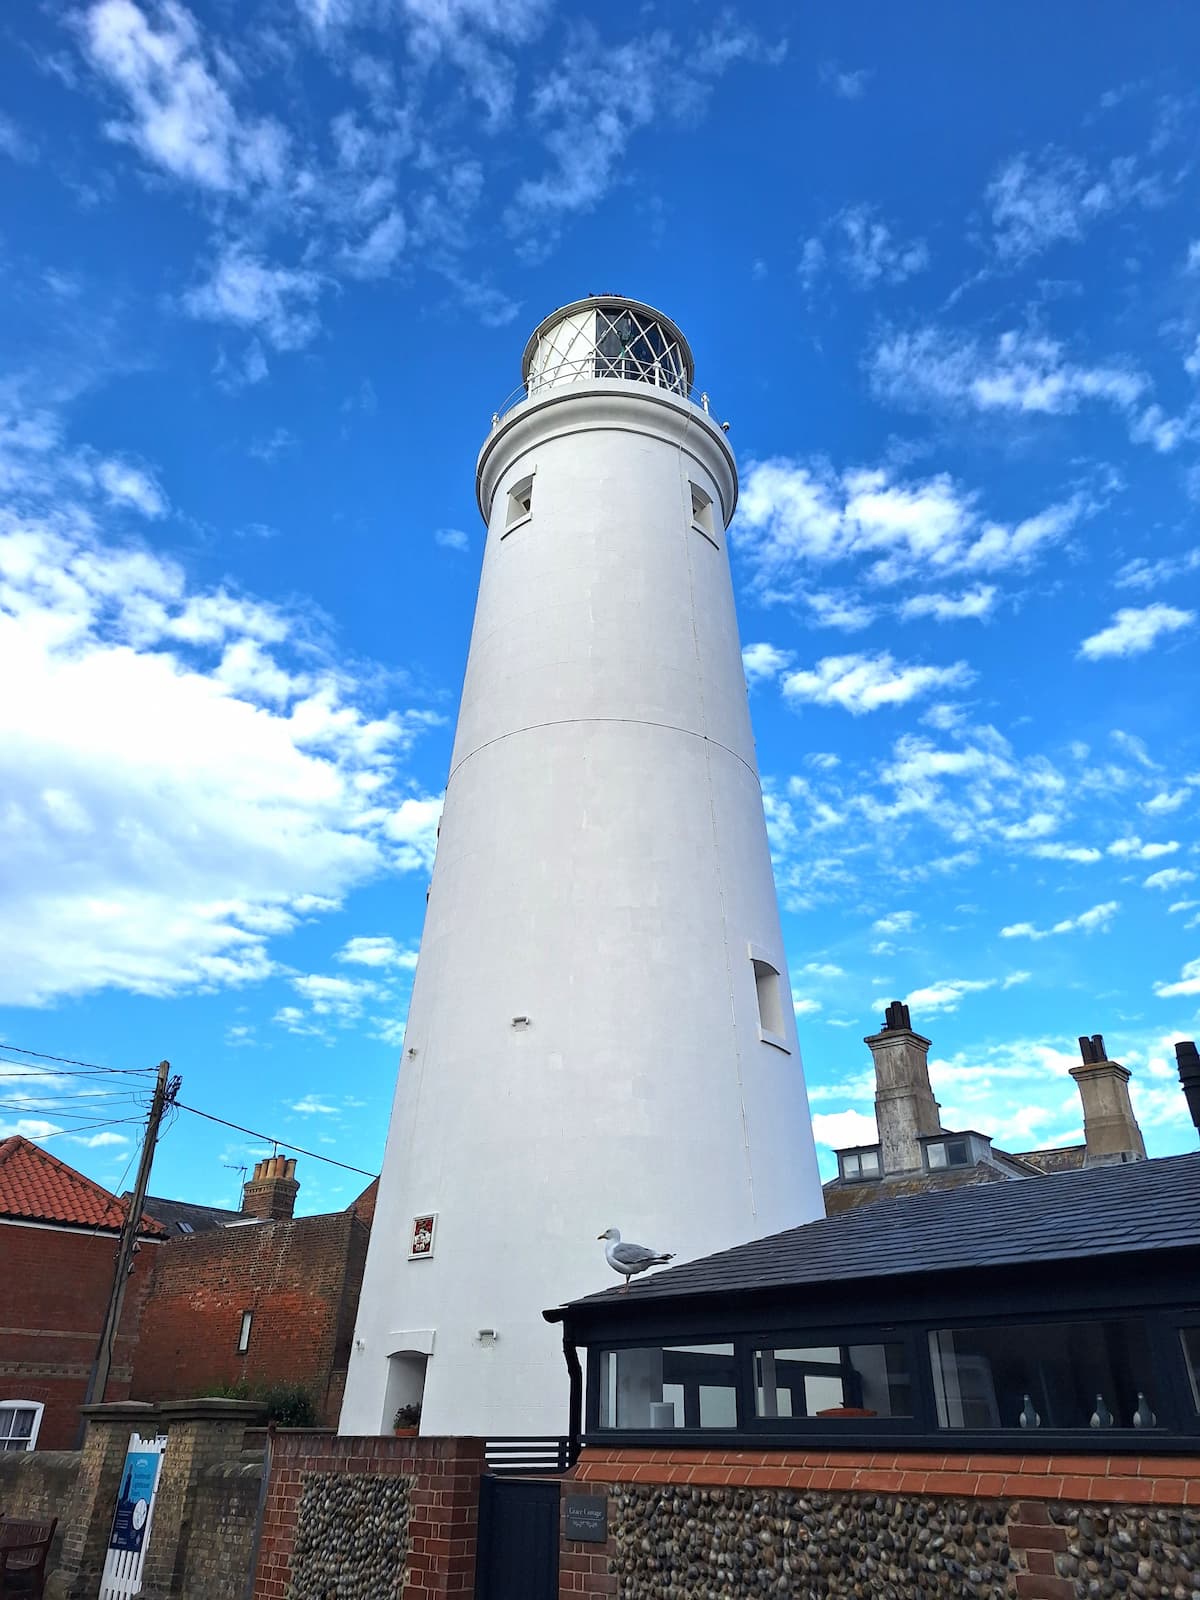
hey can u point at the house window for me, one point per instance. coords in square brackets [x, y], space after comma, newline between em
[1058, 1374]
[833, 1382]
[244, 1332]
[676, 1386]
[948, 1153]
[702, 513]
[1190, 1338]
[770, 1002]
[858, 1164]
[520, 504]
[19, 1423]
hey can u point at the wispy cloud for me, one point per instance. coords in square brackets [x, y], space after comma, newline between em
[247, 292]
[972, 603]
[1134, 630]
[1051, 196]
[1098, 919]
[862, 683]
[862, 246]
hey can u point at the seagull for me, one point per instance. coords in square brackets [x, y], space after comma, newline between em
[630, 1258]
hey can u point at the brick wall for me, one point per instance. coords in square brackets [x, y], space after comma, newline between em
[56, 1287]
[221, 1535]
[299, 1279]
[441, 1478]
[37, 1485]
[833, 1523]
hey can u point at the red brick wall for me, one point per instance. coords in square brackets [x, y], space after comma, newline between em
[55, 1288]
[301, 1281]
[1026, 1485]
[443, 1518]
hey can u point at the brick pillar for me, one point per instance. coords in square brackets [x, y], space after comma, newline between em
[584, 1566]
[88, 1520]
[1038, 1545]
[200, 1433]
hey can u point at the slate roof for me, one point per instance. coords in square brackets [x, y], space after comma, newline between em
[173, 1214]
[37, 1187]
[1100, 1211]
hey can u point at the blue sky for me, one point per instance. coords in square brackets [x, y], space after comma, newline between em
[269, 269]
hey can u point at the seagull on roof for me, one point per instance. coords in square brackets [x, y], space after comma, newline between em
[628, 1259]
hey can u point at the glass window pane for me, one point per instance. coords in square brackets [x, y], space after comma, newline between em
[1191, 1357]
[936, 1154]
[1069, 1371]
[870, 1162]
[833, 1380]
[681, 1386]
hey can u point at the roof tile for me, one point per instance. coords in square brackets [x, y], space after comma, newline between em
[37, 1187]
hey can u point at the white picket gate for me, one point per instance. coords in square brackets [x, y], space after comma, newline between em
[129, 1539]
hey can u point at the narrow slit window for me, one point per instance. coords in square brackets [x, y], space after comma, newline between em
[702, 513]
[770, 999]
[243, 1343]
[520, 503]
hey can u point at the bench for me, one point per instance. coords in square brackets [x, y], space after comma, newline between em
[24, 1547]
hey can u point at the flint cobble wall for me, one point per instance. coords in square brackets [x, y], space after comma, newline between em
[742, 1525]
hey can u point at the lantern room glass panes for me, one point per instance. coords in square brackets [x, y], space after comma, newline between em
[609, 342]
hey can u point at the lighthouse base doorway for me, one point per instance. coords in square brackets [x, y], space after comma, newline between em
[517, 1549]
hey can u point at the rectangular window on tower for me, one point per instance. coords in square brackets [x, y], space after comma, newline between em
[770, 1003]
[702, 513]
[520, 505]
[243, 1343]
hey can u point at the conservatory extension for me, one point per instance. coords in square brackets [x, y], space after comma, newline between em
[1066, 1307]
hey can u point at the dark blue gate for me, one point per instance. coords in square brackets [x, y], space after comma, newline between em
[517, 1549]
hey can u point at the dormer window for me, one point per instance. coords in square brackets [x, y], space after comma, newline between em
[856, 1165]
[941, 1153]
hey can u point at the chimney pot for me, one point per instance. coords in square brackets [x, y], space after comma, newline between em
[1109, 1125]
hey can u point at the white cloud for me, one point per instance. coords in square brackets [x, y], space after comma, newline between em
[806, 1008]
[451, 539]
[413, 829]
[1164, 802]
[378, 951]
[13, 143]
[99, 1141]
[1188, 982]
[1134, 630]
[125, 484]
[895, 922]
[377, 252]
[794, 515]
[977, 602]
[1052, 197]
[1080, 853]
[1021, 373]
[1097, 919]
[1182, 905]
[946, 996]
[181, 783]
[864, 248]
[312, 1105]
[823, 969]
[761, 662]
[1168, 878]
[600, 95]
[847, 85]
[277, 302]
[181, 112]
[861, 683]
[1131, 848]
[840, 1130]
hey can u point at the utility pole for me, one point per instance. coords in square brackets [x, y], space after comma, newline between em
[165, 1090]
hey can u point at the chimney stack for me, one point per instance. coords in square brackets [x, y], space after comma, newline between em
[271, 1192]
[905, 1110]
[1188, 1060]
[1109, 1125]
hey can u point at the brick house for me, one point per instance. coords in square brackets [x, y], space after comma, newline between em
[58, 1245]
[258, 1296]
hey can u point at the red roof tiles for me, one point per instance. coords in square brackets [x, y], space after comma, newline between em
[37, 1187]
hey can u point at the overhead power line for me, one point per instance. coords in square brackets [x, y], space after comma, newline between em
[69, 1061]
[284, 1144]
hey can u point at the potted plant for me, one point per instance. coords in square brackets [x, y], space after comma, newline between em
[405, 1422]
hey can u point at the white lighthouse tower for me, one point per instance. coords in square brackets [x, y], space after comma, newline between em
[601, 1030]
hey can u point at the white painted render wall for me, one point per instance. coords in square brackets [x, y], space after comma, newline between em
[603, 871]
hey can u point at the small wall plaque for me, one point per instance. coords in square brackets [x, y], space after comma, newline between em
[586, 1518]
[423, 1230]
